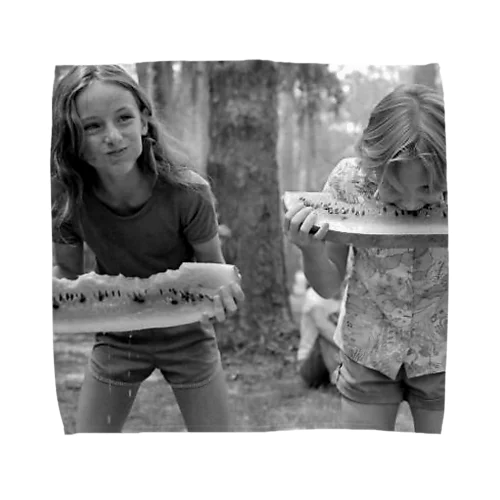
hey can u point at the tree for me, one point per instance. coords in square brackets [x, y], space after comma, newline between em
[59, 72]
[426, 75]
[310, 96]
[143, 71]
[243, 170]
[162, 90]
[192, 111]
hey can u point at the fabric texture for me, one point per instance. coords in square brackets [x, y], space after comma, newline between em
[366, 386]
[187, 356]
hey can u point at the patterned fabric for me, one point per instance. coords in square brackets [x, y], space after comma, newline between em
[395, 308]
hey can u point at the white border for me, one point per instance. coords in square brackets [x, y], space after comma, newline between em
[41, 460]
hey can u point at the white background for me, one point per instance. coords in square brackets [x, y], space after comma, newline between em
[40, 461]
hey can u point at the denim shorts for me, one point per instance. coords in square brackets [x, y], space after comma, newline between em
[364, 385]
[187, 356]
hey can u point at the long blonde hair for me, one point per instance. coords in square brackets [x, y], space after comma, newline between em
[161, 155]
[407, 124]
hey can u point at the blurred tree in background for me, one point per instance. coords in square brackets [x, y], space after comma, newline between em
[243, 170]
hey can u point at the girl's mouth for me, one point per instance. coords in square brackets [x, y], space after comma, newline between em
[117, 152]
[413, 212]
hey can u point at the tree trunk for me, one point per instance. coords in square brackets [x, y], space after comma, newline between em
[59, 72]
[201, 108]
[426, 75]
[288, 162]
[193, 112]
[144, 76]
[286, 157]
[163, 92]
[305, 152]
[244, 173]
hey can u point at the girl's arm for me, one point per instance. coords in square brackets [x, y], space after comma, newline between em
[324, 262]
[229, 297]
[209, 251]
[67, 260]
[325, 266]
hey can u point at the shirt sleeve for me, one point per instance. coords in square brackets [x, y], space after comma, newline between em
[338, 176]
[346, 181]
[199, 219]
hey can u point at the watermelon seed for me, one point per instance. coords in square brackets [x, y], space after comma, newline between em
[82, 298]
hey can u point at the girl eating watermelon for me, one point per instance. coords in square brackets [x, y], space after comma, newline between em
[119, 186]
[392, 327]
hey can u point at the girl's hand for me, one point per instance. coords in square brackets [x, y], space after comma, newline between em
[225, 303]
[298, 223]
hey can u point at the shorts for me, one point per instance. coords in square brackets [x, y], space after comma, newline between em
[364, 385]
[187, 356]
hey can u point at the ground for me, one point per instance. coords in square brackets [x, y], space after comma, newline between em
[265, 392]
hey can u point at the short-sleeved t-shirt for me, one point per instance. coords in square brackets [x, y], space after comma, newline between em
[395, 308]
[159, 236]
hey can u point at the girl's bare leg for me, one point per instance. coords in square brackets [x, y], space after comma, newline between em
[103, 407]
[205, 409]
[368, 416]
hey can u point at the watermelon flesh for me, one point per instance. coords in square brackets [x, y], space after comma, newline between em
[373, 224]
[94, 303]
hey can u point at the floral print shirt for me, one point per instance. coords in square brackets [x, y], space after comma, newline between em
[394, 311]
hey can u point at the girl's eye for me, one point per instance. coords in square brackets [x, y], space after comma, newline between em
[90, 127]
[426, 189]
[125, 118]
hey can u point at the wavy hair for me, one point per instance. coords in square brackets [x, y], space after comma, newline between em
[161, 155]
[406, 125]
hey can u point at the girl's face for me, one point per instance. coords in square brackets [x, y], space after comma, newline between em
[412, 190]
[113, 127]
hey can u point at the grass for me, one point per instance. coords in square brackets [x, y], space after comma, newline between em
[266, 394]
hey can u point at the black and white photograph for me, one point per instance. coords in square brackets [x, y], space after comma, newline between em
[249, 246]
[244, 216]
